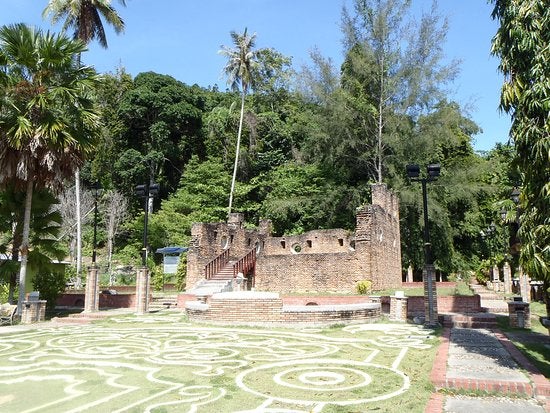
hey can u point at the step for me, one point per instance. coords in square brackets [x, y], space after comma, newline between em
[474, 320]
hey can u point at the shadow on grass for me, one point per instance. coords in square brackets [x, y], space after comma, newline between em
[533, 344]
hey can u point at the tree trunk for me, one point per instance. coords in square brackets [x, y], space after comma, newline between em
[16, 244]
[24, 249]
[236, 155]
[78, 229]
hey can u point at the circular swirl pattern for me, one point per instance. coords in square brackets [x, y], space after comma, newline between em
[331, 381]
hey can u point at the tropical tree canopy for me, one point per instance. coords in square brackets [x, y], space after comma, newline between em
[48, 121]
[84, 16]
[47, 116]
[522, 45]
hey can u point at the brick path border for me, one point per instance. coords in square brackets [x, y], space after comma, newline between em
[539, 386]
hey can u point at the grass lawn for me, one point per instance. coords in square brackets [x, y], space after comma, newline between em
[162, 363]
[532, 343]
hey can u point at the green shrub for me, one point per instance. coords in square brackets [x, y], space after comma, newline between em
[157, 277]
[50, 285]
[364, 287]
[181, 273]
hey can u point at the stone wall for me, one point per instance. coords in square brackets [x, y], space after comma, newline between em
[333, 260]
[267, 308]
[105, 300]
[446, 304]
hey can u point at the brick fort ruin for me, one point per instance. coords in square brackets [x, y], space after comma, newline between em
[227, 256]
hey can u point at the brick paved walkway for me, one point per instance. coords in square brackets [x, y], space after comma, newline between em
[478, 360]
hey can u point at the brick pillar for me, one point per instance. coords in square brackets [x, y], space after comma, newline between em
[520, 314]
[33, 311]
[496, 279]
[398, 307]
[91, 298]
[142, 290]
[430, 296]
[507, 271]
[524, 287]
[410, 274]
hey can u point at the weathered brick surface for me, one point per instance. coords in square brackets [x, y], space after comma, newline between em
[105, 300]
[324, 260]
[446, 304]
[271, 310]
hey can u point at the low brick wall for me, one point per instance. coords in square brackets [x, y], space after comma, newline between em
[264, 307]
[446, 304]
[449, 284]
[326, 299]
[105, 300]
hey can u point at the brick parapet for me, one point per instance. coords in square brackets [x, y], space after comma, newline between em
[271, 310]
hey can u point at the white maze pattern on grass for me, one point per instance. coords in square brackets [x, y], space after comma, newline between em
[163, 365]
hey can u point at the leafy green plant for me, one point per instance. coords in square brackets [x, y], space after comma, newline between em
[50, 285]
[364, 287]
[181, 273]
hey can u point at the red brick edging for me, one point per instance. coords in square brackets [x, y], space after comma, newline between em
[539, 385]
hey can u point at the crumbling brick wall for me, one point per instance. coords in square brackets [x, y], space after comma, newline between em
[332, 260]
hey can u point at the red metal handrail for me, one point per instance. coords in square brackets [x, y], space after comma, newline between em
[245, 263]
[214, 266]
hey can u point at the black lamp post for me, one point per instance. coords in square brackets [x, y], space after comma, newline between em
[432, 173]
[96, 188]
[147, 192]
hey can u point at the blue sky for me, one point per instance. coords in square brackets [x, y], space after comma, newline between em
[181, 38]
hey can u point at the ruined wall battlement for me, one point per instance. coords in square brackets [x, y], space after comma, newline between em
[321, 260]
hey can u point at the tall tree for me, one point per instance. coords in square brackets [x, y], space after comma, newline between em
[521, 42]
[393, 65]
[239, 71]
[47, 118]
[84, 16]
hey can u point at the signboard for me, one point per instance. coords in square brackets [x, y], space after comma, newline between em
[171, 263]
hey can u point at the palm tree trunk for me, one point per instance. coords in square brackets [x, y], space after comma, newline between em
[24, 249]
[237, 150]
[78, 228]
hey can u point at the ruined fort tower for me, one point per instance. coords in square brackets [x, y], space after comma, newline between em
[332, 260]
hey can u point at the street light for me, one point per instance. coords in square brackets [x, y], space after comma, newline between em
[96, 190]
[430, 293]
[147, 192]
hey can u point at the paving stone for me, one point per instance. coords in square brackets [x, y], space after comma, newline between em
[490, 405]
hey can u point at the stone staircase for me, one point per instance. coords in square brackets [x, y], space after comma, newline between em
[492, 305]
[220, 282]
[162, 301]
[491, 302]
[477, 320]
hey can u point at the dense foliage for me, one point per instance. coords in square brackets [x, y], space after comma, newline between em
[311, 144]
[522, 45]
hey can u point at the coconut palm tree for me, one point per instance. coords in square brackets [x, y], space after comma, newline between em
[239, 71]
[85, 17]
[47, 118]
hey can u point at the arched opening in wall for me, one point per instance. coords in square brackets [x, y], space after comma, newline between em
[231, 239]
[249, 242]
[341, 242]
[283, 244]
[352, 245]
[224, 242]
[308, 242]
[296, 248]
[258, 247]
[215, 234]
[311, 303]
